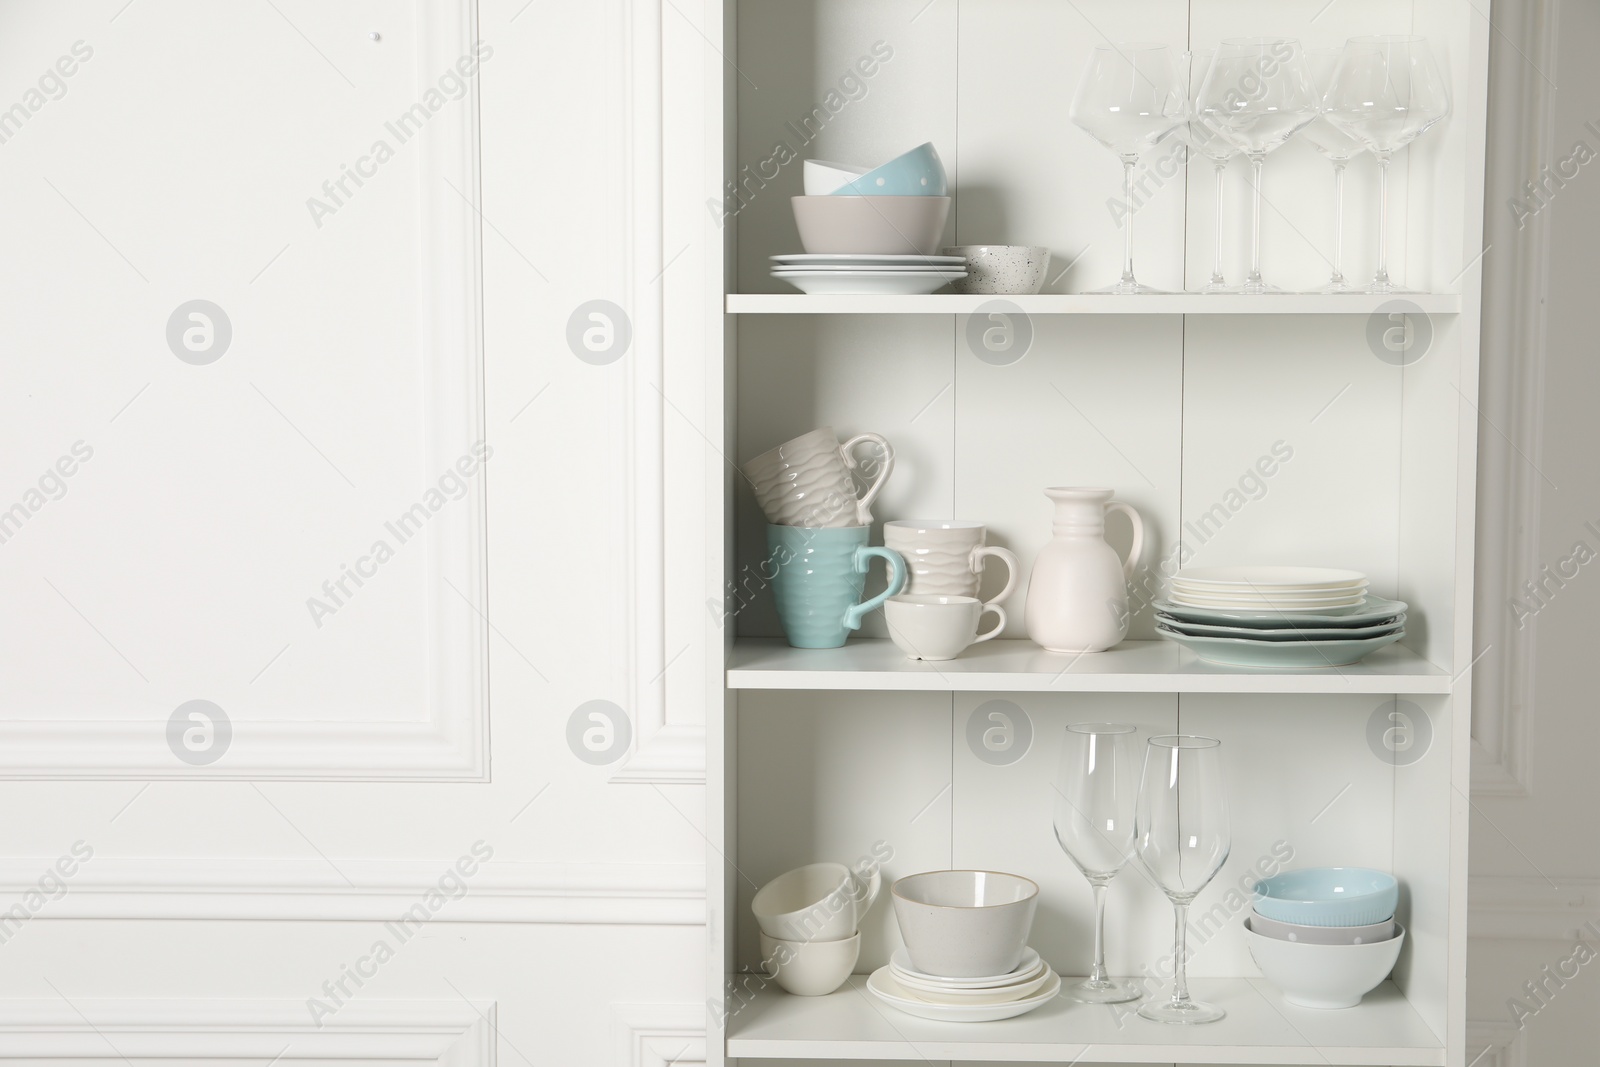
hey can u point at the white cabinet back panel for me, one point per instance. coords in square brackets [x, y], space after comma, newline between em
[275, 501]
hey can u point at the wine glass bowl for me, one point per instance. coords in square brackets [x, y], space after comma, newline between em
[1182, 838]
[1385, 92]
[1129, 101]
[1256, 96]
[1094, 790]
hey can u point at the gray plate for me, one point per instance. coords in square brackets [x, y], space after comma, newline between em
[1373, 610]
[1282, 633]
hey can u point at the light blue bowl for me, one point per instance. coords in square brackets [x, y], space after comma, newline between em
[1328, 896]
[918, 172]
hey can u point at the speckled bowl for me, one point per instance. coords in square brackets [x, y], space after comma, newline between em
[1009, 269]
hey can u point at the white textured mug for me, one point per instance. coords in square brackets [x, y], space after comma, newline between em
[806, 481]
[947, 556]
[938, 627]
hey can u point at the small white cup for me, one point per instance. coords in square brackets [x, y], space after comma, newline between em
[810, 968]
[938, 627]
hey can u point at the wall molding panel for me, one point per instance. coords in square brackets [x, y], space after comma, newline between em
[1495, 1044]
[453, 741]
[451, 1033]
[1529, 908]
[1522, 123]
[665, 894]
[666, 750]
[662, 1035]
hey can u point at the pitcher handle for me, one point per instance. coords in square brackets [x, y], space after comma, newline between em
[897, 581]
[864, 505]
[1137, 547]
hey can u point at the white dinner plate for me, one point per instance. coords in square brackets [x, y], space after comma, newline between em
[1373, 610]
[1272, 603]
[882, 984]
[1025, 968]
[994, 995]
[845, 259]
[1262, 577]
[1209, 595]
[872, 268]
[869, 283]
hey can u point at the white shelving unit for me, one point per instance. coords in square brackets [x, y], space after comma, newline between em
[1172, 400]
[1078, 304]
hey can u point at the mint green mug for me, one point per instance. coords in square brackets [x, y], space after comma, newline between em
[821, 573]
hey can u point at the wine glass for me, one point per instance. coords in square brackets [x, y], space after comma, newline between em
[1129, 101]
[1094, 797]
[1257, 95]
[1338, 147]
[1386, 92]
[1182, 838]
[1207, 142]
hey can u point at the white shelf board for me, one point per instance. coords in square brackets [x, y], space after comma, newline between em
[1260, 1028]
[1086, 304]
[1023, 667]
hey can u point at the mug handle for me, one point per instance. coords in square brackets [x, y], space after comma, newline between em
[897, 581]
[874, 884]
[1006, 556]
[1138, 536]
[847, 450]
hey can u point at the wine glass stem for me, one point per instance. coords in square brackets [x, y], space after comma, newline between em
[1256, 163]
[1216, 262]
[1099, 973]
[1382, 277]
[1180, 976]
[1338, 224]
[1127, 222]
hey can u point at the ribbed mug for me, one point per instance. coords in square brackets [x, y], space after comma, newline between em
[807, 482]
[820, 576]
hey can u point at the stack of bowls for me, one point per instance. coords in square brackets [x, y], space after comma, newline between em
[966, 956]
[810, 921]
[1288, 617]
[1326, 936]
[872, 230]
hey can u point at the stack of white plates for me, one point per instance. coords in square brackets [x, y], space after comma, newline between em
[1285, 617]
[863, 275]
[971, 1000]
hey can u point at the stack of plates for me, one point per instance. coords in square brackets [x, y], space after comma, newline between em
[863, 275]
[1286, 617]
[965, 1000]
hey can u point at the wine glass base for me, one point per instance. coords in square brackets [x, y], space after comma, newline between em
[1222, 287]
[1388, 290]
[1258, 289]
[1335, 288]
[1129, 289]
[1181, 1011]
[1107, 991]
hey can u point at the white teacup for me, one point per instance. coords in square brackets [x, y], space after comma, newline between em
[806, 481]
[817, 902]
[810, 968]
[947, 556]
[938, 627]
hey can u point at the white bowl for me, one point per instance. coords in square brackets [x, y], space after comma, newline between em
[823, 177]
[810, 968]
[817, 902]
[965, 923]
[1321, 935]
[1324, 976]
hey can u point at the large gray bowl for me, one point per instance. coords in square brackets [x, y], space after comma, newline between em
[871, 225]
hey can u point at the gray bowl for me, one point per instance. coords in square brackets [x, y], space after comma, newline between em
[871, 225]
[1321, 935]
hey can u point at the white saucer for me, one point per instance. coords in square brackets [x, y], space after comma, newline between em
[846, 259]
[883, 985]
[1025, 968]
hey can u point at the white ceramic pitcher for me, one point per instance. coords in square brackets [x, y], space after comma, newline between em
[1078, 594]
